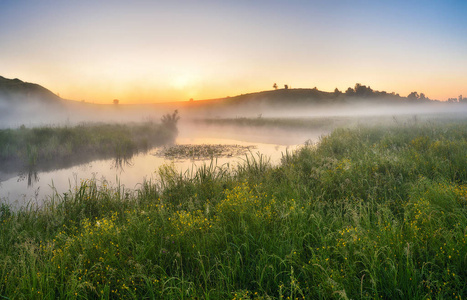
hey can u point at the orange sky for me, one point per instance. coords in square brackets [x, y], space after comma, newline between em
[143, 51]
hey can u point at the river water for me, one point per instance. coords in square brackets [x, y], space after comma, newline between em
[23, 189]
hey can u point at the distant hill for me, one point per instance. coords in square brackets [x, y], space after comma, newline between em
[15, 91]
[27, 103]
[306, 101]
[287, 97]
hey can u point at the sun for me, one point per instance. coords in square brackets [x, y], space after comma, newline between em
[182, 81]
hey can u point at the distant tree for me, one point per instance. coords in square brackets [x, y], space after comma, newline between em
[362, 90]
[422, 96]
[115, 101]
[286, 86]
[413, 96]
[274, 86]
[191, 99]
[350, 92]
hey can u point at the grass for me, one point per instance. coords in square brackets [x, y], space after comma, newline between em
[369, 212]
[45, 145]
[328, 123]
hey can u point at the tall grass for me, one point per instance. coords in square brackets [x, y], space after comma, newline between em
[370, 212]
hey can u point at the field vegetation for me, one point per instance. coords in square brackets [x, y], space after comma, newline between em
[368, 212]
[326, 122]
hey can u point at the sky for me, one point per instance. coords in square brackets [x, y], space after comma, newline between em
[157, 51]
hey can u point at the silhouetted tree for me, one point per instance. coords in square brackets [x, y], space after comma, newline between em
[337, 92]
[350, 92]
[274, 86]
[422, 96]
[413, 96]
[362, 90]
[286, 86]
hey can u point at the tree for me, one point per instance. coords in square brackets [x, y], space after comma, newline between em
[422, 96]
[115, 101]
[362, 90]
[350, 92]
[274, 86]
[413, 96]
[286, 86]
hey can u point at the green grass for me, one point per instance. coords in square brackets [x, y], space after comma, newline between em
[285, 123]
[370, 212]
[328, 122]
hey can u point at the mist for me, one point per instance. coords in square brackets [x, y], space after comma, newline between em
[34, 113]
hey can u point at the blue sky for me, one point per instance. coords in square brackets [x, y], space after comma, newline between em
[148, 51]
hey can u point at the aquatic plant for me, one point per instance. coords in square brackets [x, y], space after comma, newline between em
[203, 151]
[170, 120]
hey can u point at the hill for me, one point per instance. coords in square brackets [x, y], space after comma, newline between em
[23, 102]
[306, 102]
[306, 96]
[15, 91]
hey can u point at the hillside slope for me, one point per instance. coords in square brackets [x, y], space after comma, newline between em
[15, 91]
[23, 102]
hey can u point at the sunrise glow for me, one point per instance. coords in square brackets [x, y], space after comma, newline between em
[153, 51]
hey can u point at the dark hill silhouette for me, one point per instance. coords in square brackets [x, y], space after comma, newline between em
[15, 90]
[306, 101]
[23, 102]
[311, 96]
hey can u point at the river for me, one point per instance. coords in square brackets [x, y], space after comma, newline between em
[33, 187]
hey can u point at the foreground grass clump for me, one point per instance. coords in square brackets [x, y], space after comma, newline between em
[370, 212]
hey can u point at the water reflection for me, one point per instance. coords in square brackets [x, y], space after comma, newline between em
[31, 175]
[29, 171]
[121, 162]
[129, 171]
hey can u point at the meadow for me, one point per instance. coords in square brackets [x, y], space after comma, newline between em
[368, 212]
